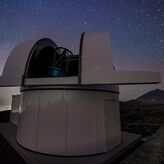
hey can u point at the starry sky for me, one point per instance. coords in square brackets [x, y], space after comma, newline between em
[136, 28]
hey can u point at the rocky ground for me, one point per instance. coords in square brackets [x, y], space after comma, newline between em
[147, 121]
[151, 152]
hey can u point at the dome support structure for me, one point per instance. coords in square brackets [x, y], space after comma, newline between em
[69, 104]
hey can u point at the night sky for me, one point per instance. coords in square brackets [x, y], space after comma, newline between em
[136, 27]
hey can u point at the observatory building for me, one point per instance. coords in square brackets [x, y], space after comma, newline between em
[69, 104]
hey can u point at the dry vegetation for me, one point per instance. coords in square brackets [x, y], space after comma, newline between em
[147, 121]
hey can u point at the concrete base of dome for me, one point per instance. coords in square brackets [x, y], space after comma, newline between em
[69, 122]
[9, 130]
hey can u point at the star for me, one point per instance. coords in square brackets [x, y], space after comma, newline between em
[134, 27]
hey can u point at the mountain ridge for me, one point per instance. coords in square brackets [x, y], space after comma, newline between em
[155, 96]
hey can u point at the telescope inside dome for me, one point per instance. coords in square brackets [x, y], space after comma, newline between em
[51, 61]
